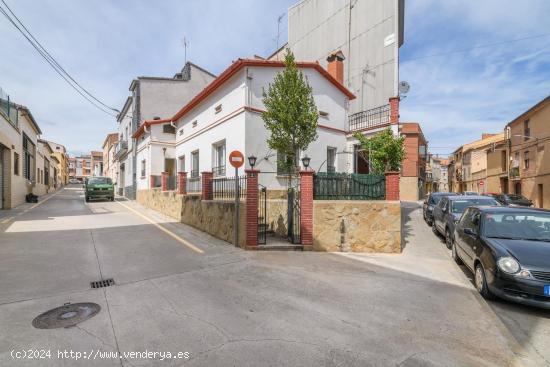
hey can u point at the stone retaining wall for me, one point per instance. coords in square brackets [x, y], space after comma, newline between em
[214, 217]
[357, 226]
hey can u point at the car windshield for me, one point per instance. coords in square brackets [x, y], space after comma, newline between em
[100, 181]
[516, 197]
[458, 206]
[518, 225]
[433, 200]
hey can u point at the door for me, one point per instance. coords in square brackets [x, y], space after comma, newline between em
[466, 236]
[540, 196]
[439, 218]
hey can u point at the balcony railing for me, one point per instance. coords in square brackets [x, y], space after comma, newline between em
[368, 119]
[121, 148]
[514, 172]
[218, 171]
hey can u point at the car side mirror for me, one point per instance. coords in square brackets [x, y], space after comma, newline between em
[470, 232]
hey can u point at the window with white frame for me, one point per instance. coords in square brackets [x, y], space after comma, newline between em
[218, 158]
[195, 164]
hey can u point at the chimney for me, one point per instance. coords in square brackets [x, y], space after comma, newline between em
[336, 66]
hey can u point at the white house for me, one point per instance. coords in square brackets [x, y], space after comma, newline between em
[151, 97]
[226, 116]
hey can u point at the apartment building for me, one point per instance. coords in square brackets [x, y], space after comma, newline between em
[82, 167]
[528, 140]
[60, 154]
[443, 185]
[109, 166]
[18, 152]
[151, 97]
[46, 169]
[97, 163]
[475, 165]
[226, 116]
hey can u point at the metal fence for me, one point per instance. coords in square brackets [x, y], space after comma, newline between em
[224, 188]
[346, 186]
[370, 118]
[157, 181]
[194, 184]
[172, 182]
[9, 108]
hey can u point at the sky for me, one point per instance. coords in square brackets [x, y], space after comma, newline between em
[105, 44]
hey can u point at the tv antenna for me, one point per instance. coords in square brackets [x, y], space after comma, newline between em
[185, 44]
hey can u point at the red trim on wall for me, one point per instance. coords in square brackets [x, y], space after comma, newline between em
[141, 128]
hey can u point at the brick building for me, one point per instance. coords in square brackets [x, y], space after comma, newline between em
[413, 171]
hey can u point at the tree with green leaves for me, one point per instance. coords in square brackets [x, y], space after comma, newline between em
[384, 151]
[291, 115]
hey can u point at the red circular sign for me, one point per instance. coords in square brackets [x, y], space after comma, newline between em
[481, 183]
[236, 159]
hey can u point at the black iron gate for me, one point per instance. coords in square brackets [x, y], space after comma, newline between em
[262, 215]
[293, 215]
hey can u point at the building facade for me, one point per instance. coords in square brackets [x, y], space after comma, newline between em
[528, 140]
[60, 154]
[109, 166]
[367, 32]
[151, 97]
[412, 185]
[226, 116]
[18, 152]
[97, 163]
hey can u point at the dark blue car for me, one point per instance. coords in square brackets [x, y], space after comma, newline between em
[449, 210]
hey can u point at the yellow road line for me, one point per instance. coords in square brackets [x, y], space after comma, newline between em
[170, 233]
[6, 220]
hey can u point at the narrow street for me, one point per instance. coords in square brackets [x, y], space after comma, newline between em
[179, 290]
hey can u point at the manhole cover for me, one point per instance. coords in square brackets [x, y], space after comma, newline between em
[66, 315]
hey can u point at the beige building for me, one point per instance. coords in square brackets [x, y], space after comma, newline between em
[18, 152]
[528, 138]
[109, 164]
[60, 154]
[46, 169]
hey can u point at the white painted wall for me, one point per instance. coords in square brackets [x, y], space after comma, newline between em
[244, 130]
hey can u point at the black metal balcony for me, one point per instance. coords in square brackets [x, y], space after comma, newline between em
[379, 116]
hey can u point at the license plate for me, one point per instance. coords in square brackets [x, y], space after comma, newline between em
[547, 290]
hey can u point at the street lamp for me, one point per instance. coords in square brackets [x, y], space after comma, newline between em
[305, 162]
[252, 161]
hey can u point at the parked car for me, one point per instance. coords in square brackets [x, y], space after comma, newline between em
[449, 209]
[99, 188]
[513, 200]
[430, 202]
[470, 193]
[508, 250]
[74, 181]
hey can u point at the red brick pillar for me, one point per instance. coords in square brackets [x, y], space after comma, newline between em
[151, 181]
[394, 110]
[306, 209]
[392, 185]
[164, 181]
[252, 202]
[207, 186]
[182, 183]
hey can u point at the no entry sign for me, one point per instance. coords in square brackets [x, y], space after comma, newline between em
[236, 159]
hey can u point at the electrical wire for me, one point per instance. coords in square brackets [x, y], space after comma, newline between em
[54, 64]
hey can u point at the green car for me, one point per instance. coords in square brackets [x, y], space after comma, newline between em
[99, 188]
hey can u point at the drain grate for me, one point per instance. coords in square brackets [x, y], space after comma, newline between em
[103, 283]
[67, 315]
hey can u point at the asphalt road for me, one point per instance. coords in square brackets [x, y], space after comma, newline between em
[180, 291]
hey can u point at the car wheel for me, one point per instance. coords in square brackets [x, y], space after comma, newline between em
[455, 256]
[112, 198]
[448, 238]
[481, 282]
[87, 199]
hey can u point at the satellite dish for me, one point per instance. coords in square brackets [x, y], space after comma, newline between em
[404, 87]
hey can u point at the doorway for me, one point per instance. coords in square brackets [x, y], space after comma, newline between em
[517, 188]
[540, 195]
[169, 166]
[360, 160]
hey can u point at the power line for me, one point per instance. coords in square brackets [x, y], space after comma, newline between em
[53, 63]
